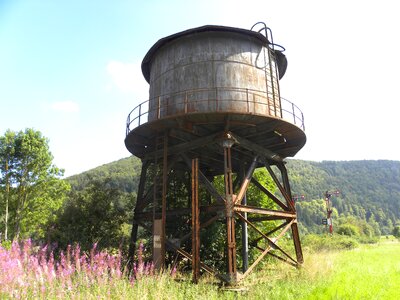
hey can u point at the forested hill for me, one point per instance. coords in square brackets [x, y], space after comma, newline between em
[369, 190]
[122, 174]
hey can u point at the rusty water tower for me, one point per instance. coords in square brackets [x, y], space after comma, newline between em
[215, 114]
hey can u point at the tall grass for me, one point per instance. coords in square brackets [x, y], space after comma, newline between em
[367, 272]
[32, 272]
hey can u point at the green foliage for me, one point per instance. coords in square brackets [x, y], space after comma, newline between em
[255, 196]
[96, 214]
[316, 243]
[368, 203]
[6, 244]
[358, 227]
[348, 229]
[368, 273]
[369, 191]
[396, 231]
[214, 238]
[30, 184]
[122, 174]
[311, 213]
[99, 207]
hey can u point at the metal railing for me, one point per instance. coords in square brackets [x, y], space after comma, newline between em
[220, 100]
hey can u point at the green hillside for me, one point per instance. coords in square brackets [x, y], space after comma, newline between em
[122, 174]
[369, 190]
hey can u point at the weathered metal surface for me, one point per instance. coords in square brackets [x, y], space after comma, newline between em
[295, 230]
[276, 135]
[245, 236]
[158, 240]
[214, 108]
[164, 193]
[147, 59]
[227, 206]
[265, 252]
[246, 181]
[209, 59]
[134, 231]
[249, 100]
[201, 76]
[269, 194]
[230, 220]
[195, 221]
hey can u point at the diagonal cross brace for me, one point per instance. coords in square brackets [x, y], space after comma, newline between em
[269, 194]
[281, 188]
[184, 147]
[259, 150]
[203, 179]
[246, 181]
[184, 253]
[269, 248]
[272, 243]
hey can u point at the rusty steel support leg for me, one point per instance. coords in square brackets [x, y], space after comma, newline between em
[164, 198]
[243, 224]
[230, 218]
[195, 221]
[156, 222]
[161, 172]
[139, 199]
[295, 230]
[157, 254]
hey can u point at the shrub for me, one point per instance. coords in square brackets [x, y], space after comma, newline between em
[368, 239]
[6, 244]
[317, 243]
[396, 231]
[345, 243]
[348, 229]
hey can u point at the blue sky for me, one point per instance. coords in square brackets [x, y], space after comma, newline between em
[71, 69]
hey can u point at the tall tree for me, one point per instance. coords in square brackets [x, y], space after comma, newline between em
[7, 151]
[96, 214]
[32, 186]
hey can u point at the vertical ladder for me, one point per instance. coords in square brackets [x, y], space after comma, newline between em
[271, 73]
[272, 84]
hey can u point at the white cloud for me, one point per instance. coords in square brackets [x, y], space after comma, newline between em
[127, 77]
[123, 75]
[65, 106]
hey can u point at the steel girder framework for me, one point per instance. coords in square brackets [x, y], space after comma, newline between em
[230, 207]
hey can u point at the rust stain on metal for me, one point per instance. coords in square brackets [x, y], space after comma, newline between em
[195, 221]
[215, 112]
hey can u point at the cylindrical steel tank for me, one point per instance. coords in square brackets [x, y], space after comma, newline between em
[213, 69]
[214, 110]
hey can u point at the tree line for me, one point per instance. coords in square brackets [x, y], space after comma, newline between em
[369, 191]
[96, 206]
[37, 203]
[32, 190]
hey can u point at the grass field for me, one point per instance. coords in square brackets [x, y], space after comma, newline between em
[367, 272]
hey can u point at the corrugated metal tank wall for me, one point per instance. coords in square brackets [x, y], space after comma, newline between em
[213, 71]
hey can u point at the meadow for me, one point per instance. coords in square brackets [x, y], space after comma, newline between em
[366, 272]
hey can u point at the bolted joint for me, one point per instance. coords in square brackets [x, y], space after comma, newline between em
[229, 206]
[226, 140]
[232, 245]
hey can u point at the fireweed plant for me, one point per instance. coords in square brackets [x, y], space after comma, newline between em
[27, 271]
